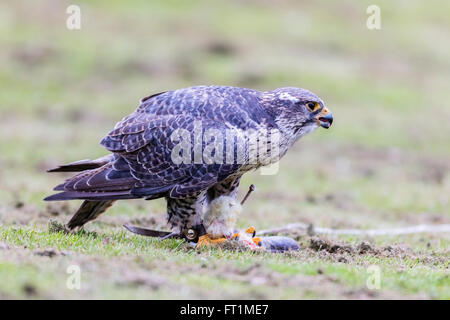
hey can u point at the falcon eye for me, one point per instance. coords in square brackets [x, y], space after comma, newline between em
[312, 106]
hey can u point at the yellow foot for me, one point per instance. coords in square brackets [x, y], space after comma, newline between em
[205, 240]
[251, 231]
[249, 237]
[257, 241]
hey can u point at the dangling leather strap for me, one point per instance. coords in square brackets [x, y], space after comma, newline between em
[146, 232]
[190, 235]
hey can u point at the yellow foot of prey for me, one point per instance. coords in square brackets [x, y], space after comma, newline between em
[248, 237]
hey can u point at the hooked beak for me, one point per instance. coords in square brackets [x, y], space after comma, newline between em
[324, 118]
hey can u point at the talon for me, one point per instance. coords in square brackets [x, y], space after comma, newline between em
[206, 240]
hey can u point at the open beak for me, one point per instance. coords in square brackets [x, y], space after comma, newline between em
[324, 118]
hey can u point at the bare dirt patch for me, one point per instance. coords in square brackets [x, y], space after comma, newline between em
[50, 252]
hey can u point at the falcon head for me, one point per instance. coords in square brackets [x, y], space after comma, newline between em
[297, 111]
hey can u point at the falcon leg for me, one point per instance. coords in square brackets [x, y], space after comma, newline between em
[215, 220]
[183, 214]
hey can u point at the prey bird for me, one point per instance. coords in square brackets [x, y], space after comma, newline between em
[147, 145]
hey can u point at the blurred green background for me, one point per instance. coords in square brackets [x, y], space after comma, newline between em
[384, 163]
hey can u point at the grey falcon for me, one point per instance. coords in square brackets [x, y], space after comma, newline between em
[140, 162]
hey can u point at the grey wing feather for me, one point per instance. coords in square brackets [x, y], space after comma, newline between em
[141, 164]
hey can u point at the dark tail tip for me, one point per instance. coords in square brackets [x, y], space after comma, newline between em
[75, 167]
[59, 197]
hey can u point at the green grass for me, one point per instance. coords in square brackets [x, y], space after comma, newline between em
[226, 273]
[384, 163]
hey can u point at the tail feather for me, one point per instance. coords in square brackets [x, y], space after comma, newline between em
[100, 183]
[88, 211]
[94, 196]
[103, 183]
[82, 165]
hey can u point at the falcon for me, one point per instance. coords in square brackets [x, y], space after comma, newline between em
[190, 146]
